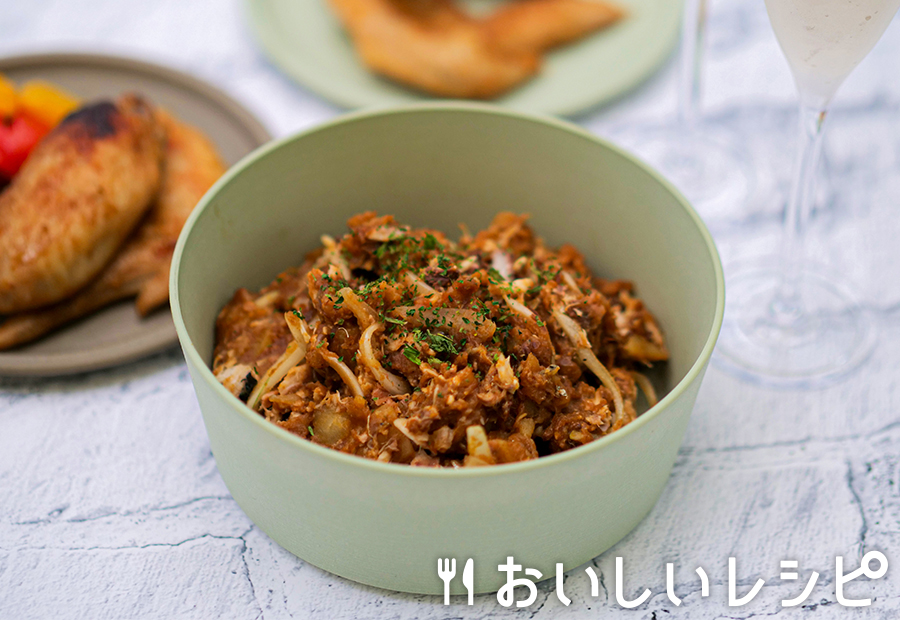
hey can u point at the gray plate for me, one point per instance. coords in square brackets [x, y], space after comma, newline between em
[116, 334]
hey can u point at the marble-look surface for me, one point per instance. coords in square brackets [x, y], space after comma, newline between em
[111, 505]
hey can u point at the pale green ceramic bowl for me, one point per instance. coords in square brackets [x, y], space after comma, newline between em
[439, 165]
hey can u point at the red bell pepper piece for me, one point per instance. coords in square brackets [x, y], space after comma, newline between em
[18, 138]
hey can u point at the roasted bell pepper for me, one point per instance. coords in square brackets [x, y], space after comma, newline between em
[26, 115]
[18, 136]
[45, 103]
[8, 98]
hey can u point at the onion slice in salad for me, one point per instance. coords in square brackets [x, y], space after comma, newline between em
[643, 382]
[388, 380]
[579, 338]
[293, 355]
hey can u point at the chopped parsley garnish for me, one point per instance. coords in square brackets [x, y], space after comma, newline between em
[412, 355]
[442, 344]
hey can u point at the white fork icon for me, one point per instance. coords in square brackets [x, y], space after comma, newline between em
[446, 571]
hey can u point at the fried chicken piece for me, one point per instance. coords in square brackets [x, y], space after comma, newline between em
[192, 165]
[433, 46]
[142, 267]
[539, 25]
[75, 201]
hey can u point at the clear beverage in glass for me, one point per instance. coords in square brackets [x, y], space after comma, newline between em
[790, 322]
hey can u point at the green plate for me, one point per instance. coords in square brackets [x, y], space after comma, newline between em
[306, 40]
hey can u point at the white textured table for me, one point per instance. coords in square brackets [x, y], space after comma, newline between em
[111, 505]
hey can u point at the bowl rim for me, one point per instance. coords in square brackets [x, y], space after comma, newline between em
[376, 467]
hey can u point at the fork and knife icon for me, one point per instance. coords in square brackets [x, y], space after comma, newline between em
[447, 571]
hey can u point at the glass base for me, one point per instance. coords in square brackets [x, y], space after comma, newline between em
[713, 173]
[819, 337]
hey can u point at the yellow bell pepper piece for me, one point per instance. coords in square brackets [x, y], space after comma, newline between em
[8, 98]
[46, 102]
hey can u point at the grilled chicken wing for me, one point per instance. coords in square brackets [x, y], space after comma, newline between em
[192, 165]
[432, 45]
[142, 267]
[539, 25]
[75, 201]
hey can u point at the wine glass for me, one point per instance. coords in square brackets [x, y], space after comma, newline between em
[790, 322]
[708, 165]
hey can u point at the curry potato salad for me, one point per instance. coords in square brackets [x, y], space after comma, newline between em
[400, 345]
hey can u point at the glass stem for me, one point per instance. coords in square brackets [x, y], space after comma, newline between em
[693, 34]
[787, 302]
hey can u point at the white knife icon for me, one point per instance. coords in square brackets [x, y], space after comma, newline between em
[467, 577]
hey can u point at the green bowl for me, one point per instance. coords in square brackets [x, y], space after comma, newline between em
[438, 165]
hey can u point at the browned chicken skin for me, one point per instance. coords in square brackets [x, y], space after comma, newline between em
[142, 267]
[75, 201]
[434, 46]
[539, 25]
[192, 165]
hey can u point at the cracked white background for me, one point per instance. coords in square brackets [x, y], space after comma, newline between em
[111, 505]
